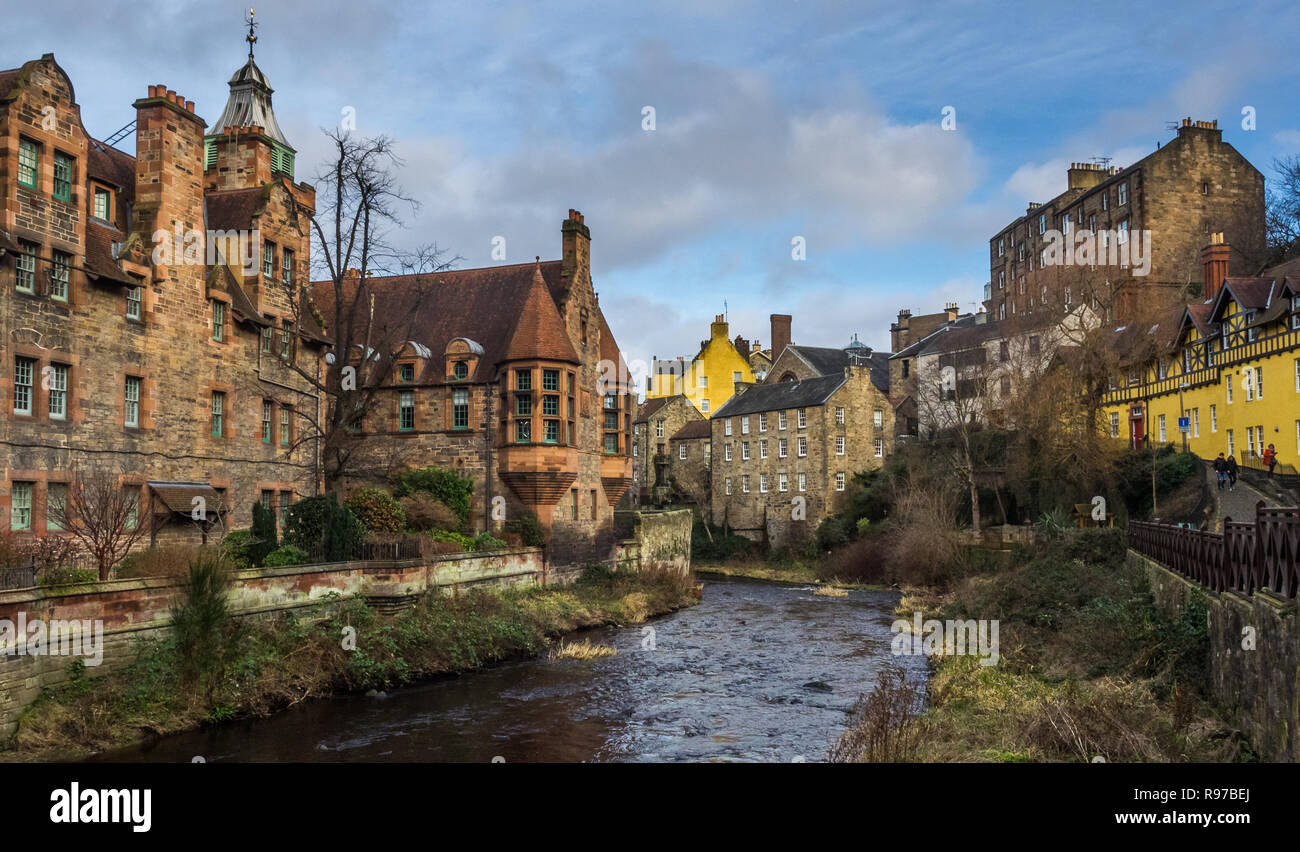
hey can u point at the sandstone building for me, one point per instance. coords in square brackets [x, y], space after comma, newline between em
[144, 304]
[654, 445]
[1195, 185]
[710, 378]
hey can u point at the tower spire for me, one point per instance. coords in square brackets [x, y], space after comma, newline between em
[251, 38]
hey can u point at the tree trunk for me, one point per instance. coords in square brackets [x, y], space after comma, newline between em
[974, 508]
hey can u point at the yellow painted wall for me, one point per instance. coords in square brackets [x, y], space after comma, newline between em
[709, 377]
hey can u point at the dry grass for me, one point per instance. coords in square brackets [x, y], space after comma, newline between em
[831, 592]
[584, 650]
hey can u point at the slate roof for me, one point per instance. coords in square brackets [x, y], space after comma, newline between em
[650, 406]
[694, 429]
[782, 395]
[249, 104]
[99, 253]
[830, 361]
[485, 305]
[233, 209]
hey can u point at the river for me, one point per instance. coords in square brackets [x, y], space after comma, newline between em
[757, 672]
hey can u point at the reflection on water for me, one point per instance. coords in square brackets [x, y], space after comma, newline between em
[756, 672]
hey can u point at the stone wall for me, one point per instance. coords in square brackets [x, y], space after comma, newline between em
[1256, 688]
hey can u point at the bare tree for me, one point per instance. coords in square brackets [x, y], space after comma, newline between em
[359, 203]
[103, 514]
[1282, 211]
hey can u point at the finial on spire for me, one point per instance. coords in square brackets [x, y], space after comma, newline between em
[251, 38]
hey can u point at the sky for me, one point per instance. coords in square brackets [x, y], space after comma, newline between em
[772, 121]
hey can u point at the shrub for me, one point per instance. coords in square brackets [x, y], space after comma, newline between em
[463, 542]
[263, 538]
[530, 530]
[285, 555]
[452, 489]
[320, 524]
[863, 560]
[234, 548]
[201, 623]
[832, 533]
[344, 533]
[486, 541]
[713, 544]
[377, 510]
[164, 560]
[426, 512]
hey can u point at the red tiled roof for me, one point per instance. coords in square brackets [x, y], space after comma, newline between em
[233, 209]
[99, 254]
[114, 167]
[539, 332]
[483, 305]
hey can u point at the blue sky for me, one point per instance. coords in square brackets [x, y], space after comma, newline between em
[772, 119]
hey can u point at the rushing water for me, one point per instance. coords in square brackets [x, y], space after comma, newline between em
[756, 672]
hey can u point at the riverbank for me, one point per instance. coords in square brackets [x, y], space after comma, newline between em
[1088, 670]
[793, 572]
[275, 664]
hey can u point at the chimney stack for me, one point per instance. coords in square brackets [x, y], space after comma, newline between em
[950, 308]
[780, 334]
[1214, 259]
[575, 260]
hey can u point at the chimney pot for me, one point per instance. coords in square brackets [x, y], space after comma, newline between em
[189, 106]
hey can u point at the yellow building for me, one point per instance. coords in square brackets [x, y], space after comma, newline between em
[709, 379]
[1230, 365]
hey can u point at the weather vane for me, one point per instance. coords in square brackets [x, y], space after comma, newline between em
[252, 37]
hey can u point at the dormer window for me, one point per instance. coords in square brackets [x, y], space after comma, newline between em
[406, 373]
[460, 370]
[103, 204]
[63, 169]
[28, 159]
[268, 260]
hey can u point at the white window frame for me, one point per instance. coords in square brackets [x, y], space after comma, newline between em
[782, 449]
[1214, 418]
[744, 425]
[803, 447]
[803, 482]
[840, 481]
[839, 445]
[131, 413]
[744, 483]
[744, 450]
[57, 395]
[681, 450]
[880, 448]
[783, 482]
[803, 418]
[782, 420]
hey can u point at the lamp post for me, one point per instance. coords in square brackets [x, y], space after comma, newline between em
[1183, 413]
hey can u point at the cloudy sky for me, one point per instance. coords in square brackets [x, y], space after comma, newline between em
[772, 120]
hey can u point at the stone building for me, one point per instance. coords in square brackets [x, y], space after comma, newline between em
[654, 445]
[513, 378]
[690, 464]
[143, 302]
[1149, 220]
[783, 452]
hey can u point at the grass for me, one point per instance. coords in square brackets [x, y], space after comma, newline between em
[584, 650]
[1089, 668]
[777, 569]
[284, 661]
[831, 592]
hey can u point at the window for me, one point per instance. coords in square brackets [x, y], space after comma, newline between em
[726, 428]
[736, 377]
[131, 495]
[803, 446]
[726, 485]
[762, 449]
[524, 433]
[28, 157]
[523, 405]
[1042, 258]
[460, 409]
[285, 340]
[23, 370]
[878, 418]
[781, 420]
[25, 267]
[1227, 379]
[782, 449]
[551, 380]
[1034, 346]
[573, 504]
[762, 483]
[659, 428]
[803, 482]
[268, 334]
[20, 511]
[704, 381]
[593, 504]
[611, 402]
[704, 406]
[1247, 374]
[58, 397]
[783, 482]
[1163, 436]
[1114, 424]
[681, 451]
[839, 416]
[1297, 375]
[406, 373]
[726, 451]
[286, 265]
[762, 421]
[59, 272]
[1232, 449]
[268, 413]
[744, 451]
[744, 425]
[56, 498]
[268, 499]
[803, 418]
[1004, 385]
[284, 425]
[134, 295]
[1002, 279]
[460, 370]
[1042, 223]
[839, 482]
[744, 484]
[880, 448]
[1214, 418]
[406, 411]
[1123, 194]
[218, 321]
[1196, 422]
[268, 260]
[131, 395]
[839, 445]
[103, 204]
[62, 176]
[218, 413]
[1105, 200]
[1002, 246]
[611, 442]
[1122, 235]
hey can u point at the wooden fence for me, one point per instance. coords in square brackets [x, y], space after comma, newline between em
[1242, 558]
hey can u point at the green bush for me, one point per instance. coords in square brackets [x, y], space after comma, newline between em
[464, 542]
[449, 487]
[285, 555]
[377, 510]
[235, 546]
[263, 537]
[320, 522]
[486, 541]
[426, 512]
[344, 534]
[832, 533]
[202, 626]
[529, 528]
[712, 544]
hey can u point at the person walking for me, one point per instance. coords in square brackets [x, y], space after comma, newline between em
[1270, 459]
[1221, 470]
[1231, 468]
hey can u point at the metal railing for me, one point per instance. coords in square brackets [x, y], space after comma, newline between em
[1245, 557]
